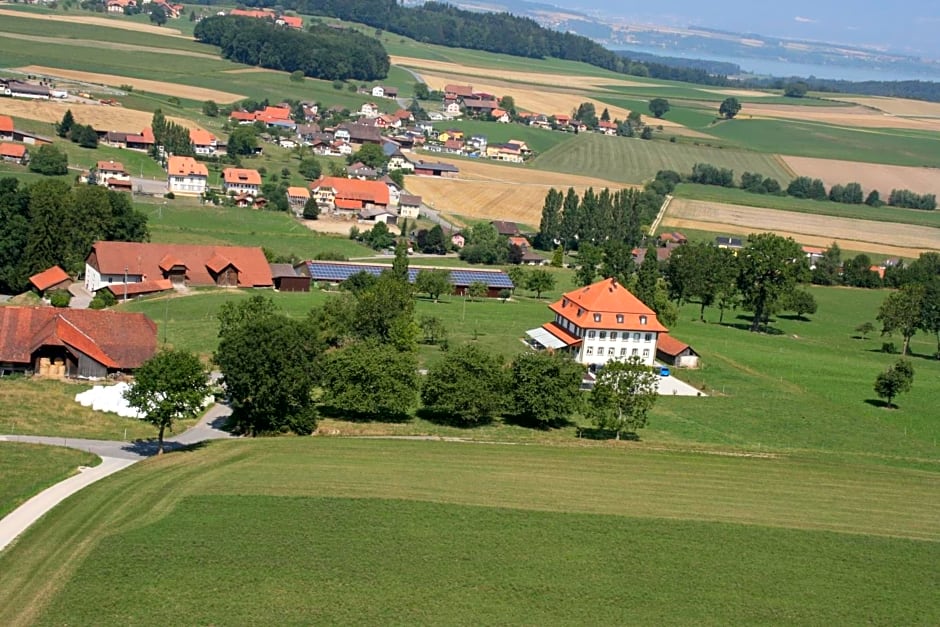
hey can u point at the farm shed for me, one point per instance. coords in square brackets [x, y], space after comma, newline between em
[288, 279]
[54, 278]
[676, 353]
[335, 272]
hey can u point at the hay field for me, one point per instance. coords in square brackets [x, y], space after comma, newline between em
[857, 117]
[884, 178]
[99, 116]
[486, 190]
[159, 87]
[818, 230]
[897, 106]
[99, 21]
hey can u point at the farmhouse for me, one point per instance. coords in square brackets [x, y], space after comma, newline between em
[599, 323]
[504, 227]
[112, 174]
[74, 342]
[732, 243]
[14, 153]
[204, 142]
[111, 263]
[51, 279]
[18, 89]
[458, 91]
[409, 206]
[186, 176]
[349, 195]
[675, 352]
[241, 181]
[359, 134]
[335, 272]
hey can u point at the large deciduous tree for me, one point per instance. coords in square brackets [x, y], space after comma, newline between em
[729, 107]
[433, 283]
[901, 311]
[623, 394]
[172, 385]
[545, 387]
[659, 107]
[895, 380]
[539, 281]
[469, 385]
[49, 160]
[770, 266]
[372, 380]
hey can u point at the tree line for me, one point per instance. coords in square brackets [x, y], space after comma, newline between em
[52, 223]
[915, 306]
[320, 52]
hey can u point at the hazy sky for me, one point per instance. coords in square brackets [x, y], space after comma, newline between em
[911, 27]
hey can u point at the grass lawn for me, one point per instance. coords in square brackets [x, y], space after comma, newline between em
[443, 533]
[802, 205]
[35, 407]
[635, 160]
[28, 469]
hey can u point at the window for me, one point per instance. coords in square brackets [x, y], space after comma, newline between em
[590, 335]
[636, 337]
[646, 352]
[619, 318]
[642, 319]
[602, 335]
[613, 335]
[649, 337]
[623, 352]
[610, 351]
[580, 311]
[590, 350]
[635, 352]
[597, 317]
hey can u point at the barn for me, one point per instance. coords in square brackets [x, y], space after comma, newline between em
[288, 279]
[335, 272]
[675, 352]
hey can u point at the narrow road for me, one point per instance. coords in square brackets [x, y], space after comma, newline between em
[115, 456]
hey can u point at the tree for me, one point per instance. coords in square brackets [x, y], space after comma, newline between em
[828, 267]
[311, 209]
[857, 272]
[646, 133]
[864, 329]
[539, 281]
[895, 380]
[210, 108]
[550, 225]
[469, 385]
[385, 311]
[310, 169]
[269, 368]
[297, 76]
[659, 107]
[433, 283]
[800, 302]
[873, 199]
[243, 141]
[589, 257]
[370, 155]
[49, 160]
[158, 16]
[400, 264]
[770, 266]
[558, 257]
[508, 103]
[545, 387]
[930, 311]
[63, 128]
[477, 289]
[372, 380]
[172, 385]
[729, 107]
[647, 278]
[901, 311]
[433, 328]
[796, 89]
[421, 91]
[623, 394]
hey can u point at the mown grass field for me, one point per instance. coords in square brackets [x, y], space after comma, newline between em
[635, 160]
[350, 531]
[788, 203]
[27, 469]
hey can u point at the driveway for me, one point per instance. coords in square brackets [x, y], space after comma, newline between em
[114, 456]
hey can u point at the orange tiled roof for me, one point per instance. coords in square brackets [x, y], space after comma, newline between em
[17, 151]
[185, 166]
[242, 116]
[47, 278]
[6, 124]
[241, 176]
[150, 261]
[200, 137]
[375, 192]
[298, 192]
[110, 166]
[561, 334]
[293, 22]
[117, 340]
[597, 306]
[670, 345]
[143, 287]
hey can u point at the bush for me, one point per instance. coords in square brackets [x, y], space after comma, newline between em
[169, 195]
[96, 303]
[889, 347]
[60, 298]
[107, 297]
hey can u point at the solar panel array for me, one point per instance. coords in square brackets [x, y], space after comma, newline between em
[339, 272]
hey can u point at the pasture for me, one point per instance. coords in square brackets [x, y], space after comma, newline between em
[635, 160]
[28, 469]
[624, 534]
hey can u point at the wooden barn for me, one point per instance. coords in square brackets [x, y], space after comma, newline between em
[675, 353]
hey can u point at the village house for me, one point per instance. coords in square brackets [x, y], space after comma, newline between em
[732, 243]
[358, 134]
[361, 171]
[294, 22]
[14, 153]
[241, 181]
[501, 116]
[399, 161]
[378, 214]
[383, 91]
[297, 197]
[6, 128]
[112, 174]
[84, 343]
[409, 205]
[204, 142]
[458, 91]
[186, 176]
[507, 228]
[813, 255]
[458, 240]
[452, 108]
[119, 263]
[607, 127]
[369, 110]
[349, 196]
[675, 238]
[599, 323]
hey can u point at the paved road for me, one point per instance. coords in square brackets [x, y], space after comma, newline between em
[114, 456]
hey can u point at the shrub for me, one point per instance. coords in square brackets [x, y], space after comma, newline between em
[60, 298]
[169, 195]
[889, 347]
[96, 303]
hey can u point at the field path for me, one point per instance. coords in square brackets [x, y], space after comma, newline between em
[115, 456]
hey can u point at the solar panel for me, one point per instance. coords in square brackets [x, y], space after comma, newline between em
[337, 272]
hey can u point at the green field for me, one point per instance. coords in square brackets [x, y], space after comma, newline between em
[788, 203]
[635, 160]
[353, 532]
[28, 469]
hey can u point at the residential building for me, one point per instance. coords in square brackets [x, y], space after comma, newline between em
[369, 110]
[204, 142]
[507, 228]
[112, 174]
[399, 161]
[83, 343]
[297, 197]
[118, 263]
[6, 128]
[599, 323]
[14, 153]
[241, 181]
[409, 206]
[458, 91]
[186, 176]
[349, 195]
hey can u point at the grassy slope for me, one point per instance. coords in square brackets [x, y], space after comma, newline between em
[635, 160]
[788, 203]
[28, 469]
[674, 537]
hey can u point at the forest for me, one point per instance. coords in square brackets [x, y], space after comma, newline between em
[320, 52]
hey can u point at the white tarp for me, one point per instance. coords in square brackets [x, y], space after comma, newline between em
[546, 339]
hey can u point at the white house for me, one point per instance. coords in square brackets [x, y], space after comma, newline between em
[398, 161]
[186, 176]
[409, 206]
[107, 172]
[599, 323]
[241, 181]
[204, 142]
[369, 110]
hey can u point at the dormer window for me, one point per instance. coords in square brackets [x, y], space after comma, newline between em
[597, 317]
[642, 319]
[619, 318]
[564, 302]
[580, 311]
